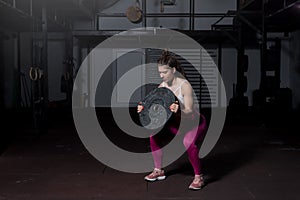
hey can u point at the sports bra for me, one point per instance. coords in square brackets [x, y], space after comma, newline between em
[179, 95]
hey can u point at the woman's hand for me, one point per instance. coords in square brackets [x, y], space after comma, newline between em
[174, 107]
[140, 107]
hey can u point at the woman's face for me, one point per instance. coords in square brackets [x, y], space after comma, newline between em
[166, 73]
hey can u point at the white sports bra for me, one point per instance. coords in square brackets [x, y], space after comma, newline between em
[179, 95]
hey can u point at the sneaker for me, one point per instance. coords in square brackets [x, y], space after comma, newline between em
[197, 183]
[156, 174]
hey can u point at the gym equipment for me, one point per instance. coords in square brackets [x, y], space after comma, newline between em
[156, 110]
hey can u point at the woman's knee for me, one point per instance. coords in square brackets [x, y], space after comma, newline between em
[187, 142]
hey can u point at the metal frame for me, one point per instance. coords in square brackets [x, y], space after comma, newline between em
[191, 15]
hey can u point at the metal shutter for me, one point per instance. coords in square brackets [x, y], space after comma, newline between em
[192, 64]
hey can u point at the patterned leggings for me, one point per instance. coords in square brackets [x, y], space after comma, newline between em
[190, 140]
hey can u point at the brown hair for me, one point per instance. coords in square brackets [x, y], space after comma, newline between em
[168, 58]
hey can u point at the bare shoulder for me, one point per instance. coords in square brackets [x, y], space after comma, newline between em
[186, 86]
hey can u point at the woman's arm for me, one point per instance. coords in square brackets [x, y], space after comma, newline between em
[187, 93]
[187, 108]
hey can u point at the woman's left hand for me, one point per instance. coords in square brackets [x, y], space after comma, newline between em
[174, 107]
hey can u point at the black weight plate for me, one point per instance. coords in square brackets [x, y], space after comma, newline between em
[156, 110]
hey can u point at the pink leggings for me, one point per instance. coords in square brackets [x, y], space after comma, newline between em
[191, 138]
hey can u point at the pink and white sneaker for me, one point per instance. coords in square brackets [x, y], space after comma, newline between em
[156, 174]
[197, 183]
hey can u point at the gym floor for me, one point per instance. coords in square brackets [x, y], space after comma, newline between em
[249, 161]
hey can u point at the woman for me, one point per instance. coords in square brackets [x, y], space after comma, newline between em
[173, 78]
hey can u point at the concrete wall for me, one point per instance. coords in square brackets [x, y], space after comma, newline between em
[294, 72]
[9, 71]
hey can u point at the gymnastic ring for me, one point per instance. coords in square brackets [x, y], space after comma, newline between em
[32, 76]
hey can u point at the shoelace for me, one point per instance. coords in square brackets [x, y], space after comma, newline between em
[155, 172]
[199, 180]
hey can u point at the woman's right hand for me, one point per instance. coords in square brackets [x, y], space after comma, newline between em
[140, 108]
